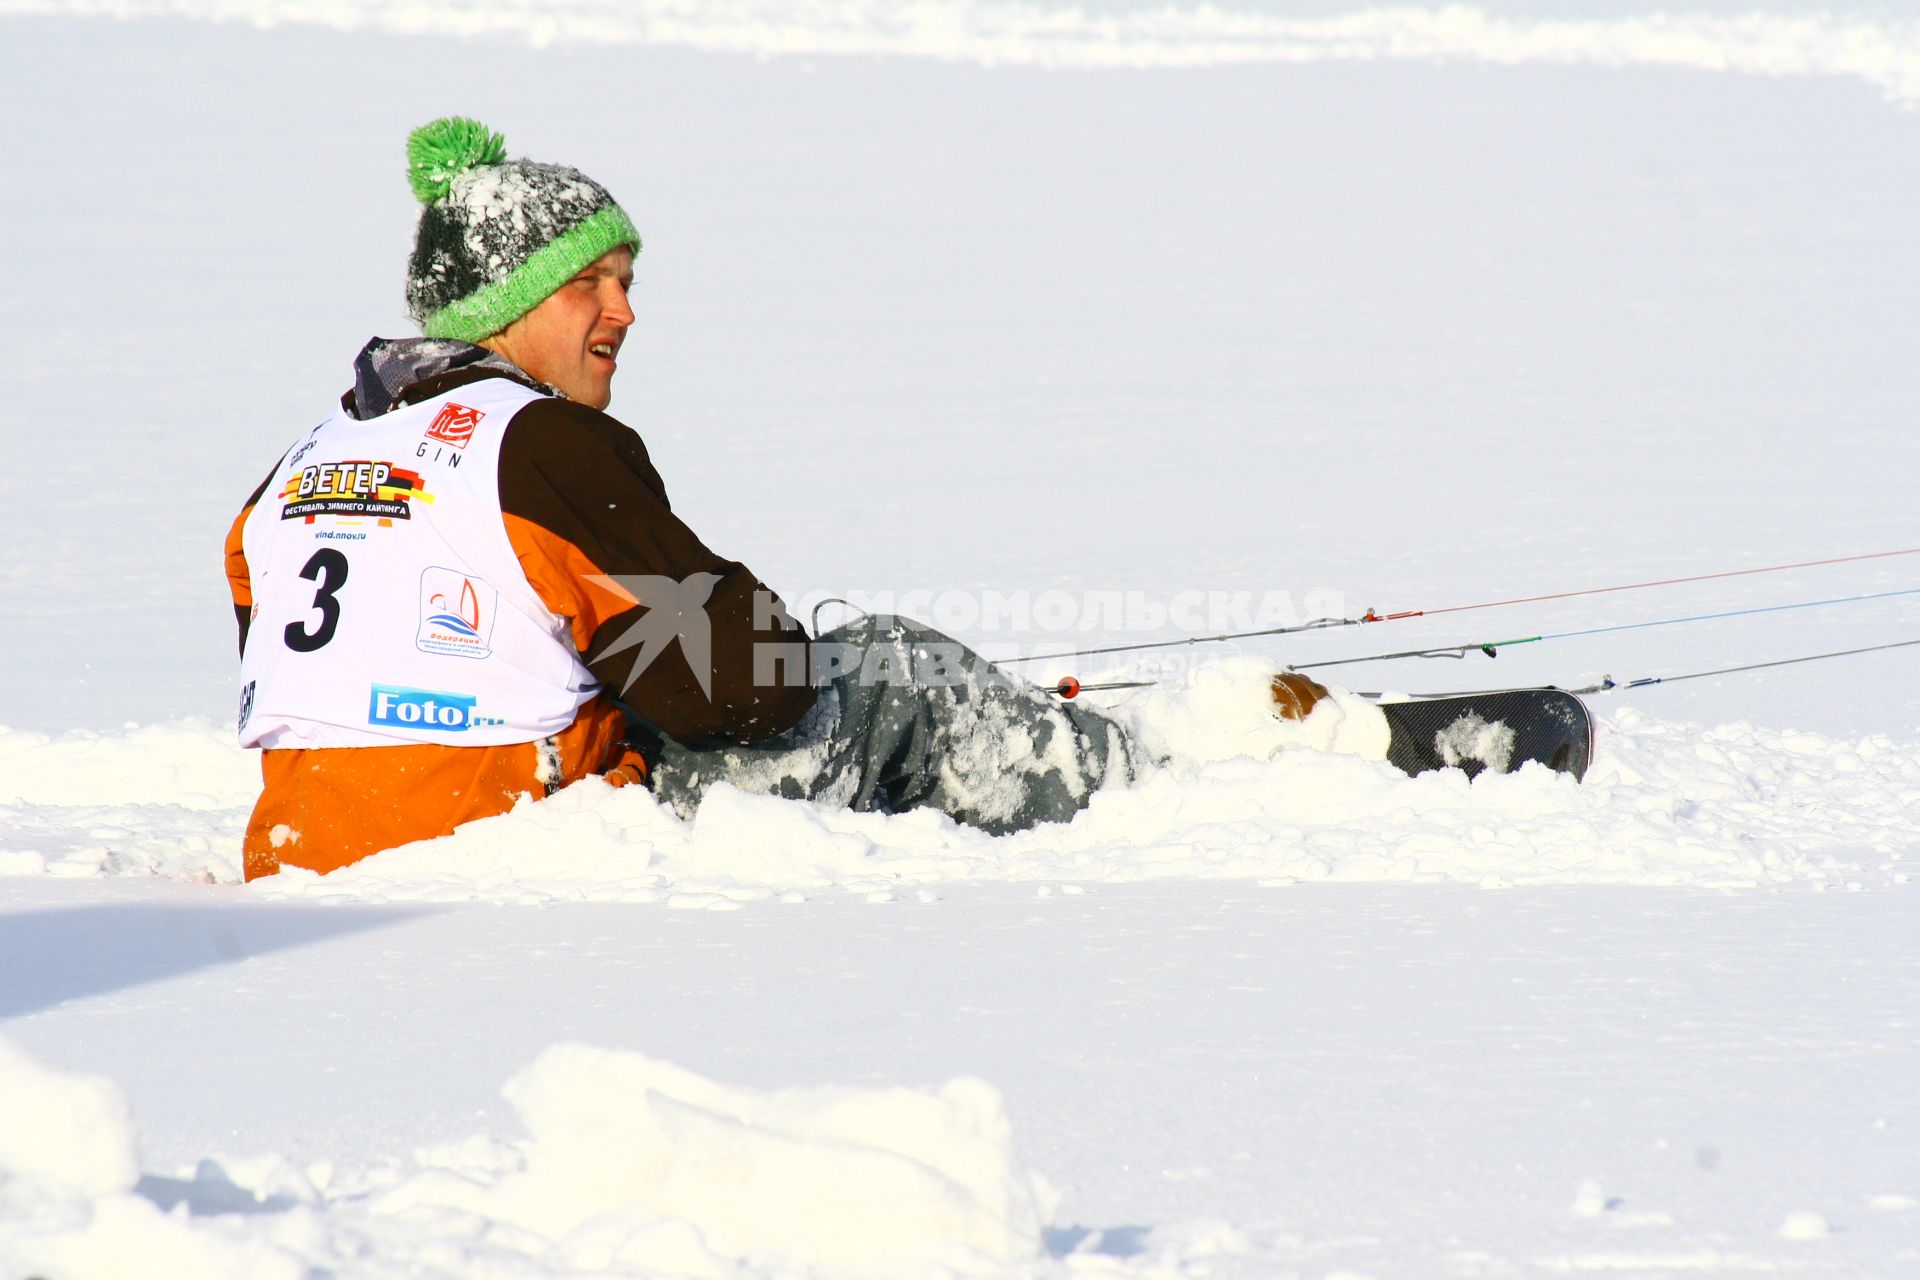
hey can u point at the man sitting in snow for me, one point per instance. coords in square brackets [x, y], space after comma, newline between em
[466, 584]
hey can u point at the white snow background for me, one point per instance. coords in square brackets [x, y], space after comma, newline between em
[1398, 308]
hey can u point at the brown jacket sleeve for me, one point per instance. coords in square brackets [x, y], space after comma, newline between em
[691, 642]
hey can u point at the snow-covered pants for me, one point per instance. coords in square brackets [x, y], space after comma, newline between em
[908, 718]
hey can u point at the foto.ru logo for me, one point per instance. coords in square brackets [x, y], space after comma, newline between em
[433, 710]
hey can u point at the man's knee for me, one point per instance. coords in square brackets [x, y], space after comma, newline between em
[884, 649]
[876, 628]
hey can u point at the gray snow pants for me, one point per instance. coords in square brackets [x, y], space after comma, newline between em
[906, 719]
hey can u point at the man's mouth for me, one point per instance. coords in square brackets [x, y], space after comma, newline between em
[604, 350]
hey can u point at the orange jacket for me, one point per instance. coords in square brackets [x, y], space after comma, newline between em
[580, 500]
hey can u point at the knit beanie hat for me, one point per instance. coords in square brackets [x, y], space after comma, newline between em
[497, 235]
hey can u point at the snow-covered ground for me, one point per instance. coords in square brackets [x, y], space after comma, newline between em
[1323, 1080]
[1009, 312]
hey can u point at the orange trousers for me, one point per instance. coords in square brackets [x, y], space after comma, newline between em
[329, 807]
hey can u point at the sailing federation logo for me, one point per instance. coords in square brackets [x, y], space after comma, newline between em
[456, 614]
[454, 425]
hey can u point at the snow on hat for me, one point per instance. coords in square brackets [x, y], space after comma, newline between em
[497, 235]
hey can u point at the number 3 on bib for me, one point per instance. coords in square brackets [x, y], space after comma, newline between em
[328, 567]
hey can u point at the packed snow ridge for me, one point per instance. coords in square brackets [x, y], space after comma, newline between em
[1243, 799]
[1885, 54]
[630, 1166]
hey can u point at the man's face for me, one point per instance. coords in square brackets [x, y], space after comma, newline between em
[572, 339]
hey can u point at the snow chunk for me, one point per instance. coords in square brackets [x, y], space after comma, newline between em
[1590, 1201]
[862, 1182]
[1225, 710]
[1803, 1226]
[67, 1172]
[68, 1130]
[122, 1235]
[1474, 738]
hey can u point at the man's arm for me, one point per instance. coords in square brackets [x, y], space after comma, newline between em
[239, 580]
[588, 518]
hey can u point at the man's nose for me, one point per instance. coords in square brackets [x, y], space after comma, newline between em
[618, 309]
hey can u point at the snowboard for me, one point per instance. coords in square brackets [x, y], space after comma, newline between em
[1499, 731]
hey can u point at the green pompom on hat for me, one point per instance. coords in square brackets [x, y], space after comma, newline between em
[497, 236]
[438, 153]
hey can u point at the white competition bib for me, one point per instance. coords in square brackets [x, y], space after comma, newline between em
[389, 606]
